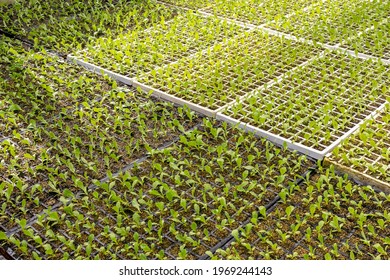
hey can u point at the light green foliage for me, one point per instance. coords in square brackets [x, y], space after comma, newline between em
[314, 223]
[367, 150]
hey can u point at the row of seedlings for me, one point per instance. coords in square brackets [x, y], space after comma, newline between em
[178, 204]
[327, 217]
[133, 53]
[65, 127]
[256, 12]
[333, 22]
[366, 154]
[68, 25]
[226, 72]
[318, 104]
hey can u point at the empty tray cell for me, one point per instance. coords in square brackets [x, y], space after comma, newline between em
[375, 42]
[320, 102]
[333, 22]
[141, 51]
[256, 11]
[227, 71]
[368, 151]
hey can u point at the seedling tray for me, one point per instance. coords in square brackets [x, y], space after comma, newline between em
[163, 86]
[193, 69]
[317, 106]
[256, 12]
[134, 53]
[261, 214]
[319, 220]
[224, 73]
[333, 22]
[365, 154]
[375, 43]
[162, 198]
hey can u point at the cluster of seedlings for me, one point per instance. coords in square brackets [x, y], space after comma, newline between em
[91, 168]
[221, 74]
[318, 103]
[179, 202]
[63, 127]
[366, 154]
[325, 217]
[66, 26]
[139, 51]
[334, 22]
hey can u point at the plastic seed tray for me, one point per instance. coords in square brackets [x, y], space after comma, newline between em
[375, 42]
[179, 203]
[327, 217]
[255, 11]
[333, 22]
[224, 73]
[137, 52]
[365, 155]
[316, 106]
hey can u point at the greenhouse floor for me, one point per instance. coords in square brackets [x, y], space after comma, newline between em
[210, 129]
